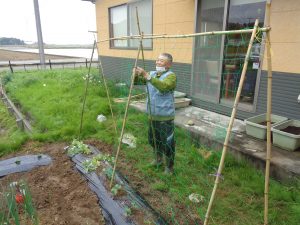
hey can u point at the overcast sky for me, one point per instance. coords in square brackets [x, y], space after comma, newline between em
[63, 21]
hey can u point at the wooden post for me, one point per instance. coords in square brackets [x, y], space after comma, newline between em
[50, 64]
[20, 123]
[233, 113]
[86, 63]
[10, 66]
[10, 110]
[268, 119]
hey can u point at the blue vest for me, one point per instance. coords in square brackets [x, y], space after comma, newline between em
[162, 103]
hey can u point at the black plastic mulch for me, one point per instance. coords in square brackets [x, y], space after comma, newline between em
[114, 209]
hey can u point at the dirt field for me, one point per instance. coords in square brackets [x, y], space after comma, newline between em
[6, 55]
[60, 194]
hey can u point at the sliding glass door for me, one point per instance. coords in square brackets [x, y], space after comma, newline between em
[218, 60]
[241, 15]
[208, 51]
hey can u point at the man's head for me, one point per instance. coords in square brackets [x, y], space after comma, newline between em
[164, 60]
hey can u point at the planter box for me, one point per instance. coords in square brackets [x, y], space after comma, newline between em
[284, 139]
[255, 129]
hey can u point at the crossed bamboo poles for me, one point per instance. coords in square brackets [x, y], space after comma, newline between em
[140, 49]
[234, 111]
[229, 129]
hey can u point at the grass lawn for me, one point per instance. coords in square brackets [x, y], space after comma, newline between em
[53, 101]
[10, 136]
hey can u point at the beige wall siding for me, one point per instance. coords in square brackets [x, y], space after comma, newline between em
[285, 36]
[169, 17]
[177, 17]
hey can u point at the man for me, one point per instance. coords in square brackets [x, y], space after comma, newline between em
[161, 110]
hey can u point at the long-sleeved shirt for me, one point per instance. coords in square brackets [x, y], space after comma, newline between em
[165, 85]
[168, 84]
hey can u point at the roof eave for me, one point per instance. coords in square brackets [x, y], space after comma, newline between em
[92, 1]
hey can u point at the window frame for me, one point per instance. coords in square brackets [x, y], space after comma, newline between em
[128, 47]
[253, 108]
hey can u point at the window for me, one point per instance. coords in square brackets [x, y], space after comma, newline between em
[123, 22]
[241, 15]
[218, 61]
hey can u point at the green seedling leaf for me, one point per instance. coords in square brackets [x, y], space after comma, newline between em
[78, 147]
[128, 211]
[116, 189]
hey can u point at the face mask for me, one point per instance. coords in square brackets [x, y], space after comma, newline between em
[160, 69]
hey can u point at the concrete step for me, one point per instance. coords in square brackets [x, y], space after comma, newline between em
[178, 94]
[209, 129]
[182, 102]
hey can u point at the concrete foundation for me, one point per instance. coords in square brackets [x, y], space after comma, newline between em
[209, 129]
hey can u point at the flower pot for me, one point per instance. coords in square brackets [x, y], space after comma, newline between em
[286, 135]
[257, 126]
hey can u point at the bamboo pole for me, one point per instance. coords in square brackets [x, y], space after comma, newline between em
[234, 110]
[147, 88]
[138, 36]
[85, 91]
[156, 36]
[125, 117]
[269, 111]
[106, 89]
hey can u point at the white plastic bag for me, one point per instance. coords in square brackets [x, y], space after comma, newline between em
[101, 118]
[196, 198]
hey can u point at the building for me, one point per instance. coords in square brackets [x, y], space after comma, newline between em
[205, 68]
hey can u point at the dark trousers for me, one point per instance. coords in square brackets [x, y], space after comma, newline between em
[163, 141]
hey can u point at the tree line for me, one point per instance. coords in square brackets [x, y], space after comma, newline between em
[11, 41]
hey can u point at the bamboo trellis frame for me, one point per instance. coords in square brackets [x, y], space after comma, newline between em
[159, 36]
[233, 113]
[268, 119]
[253, 32]
[147, 88]
[86, 90]
[106, 89]
[125, 118]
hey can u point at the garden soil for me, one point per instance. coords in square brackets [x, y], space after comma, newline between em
[292, 130]
[60, 194]
[156, 199]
